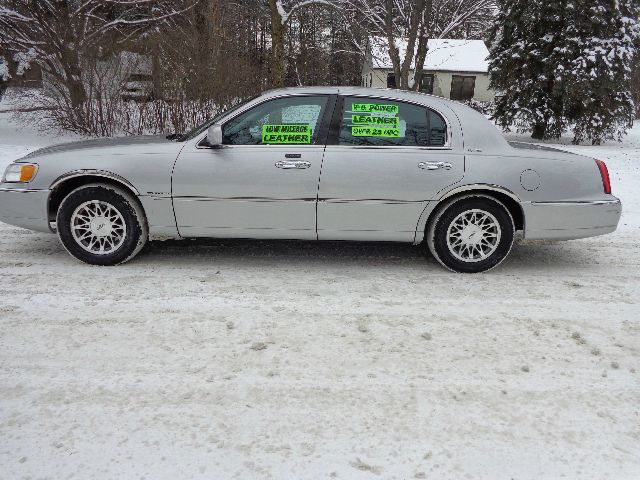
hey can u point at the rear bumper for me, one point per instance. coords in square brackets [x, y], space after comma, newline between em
[25, 208]
[570, 220]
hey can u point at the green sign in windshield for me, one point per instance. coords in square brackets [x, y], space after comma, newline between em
[299, 134]
[375, 132]
[375, 120]
[374, 108]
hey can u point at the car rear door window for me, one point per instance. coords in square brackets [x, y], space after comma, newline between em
[380, 122]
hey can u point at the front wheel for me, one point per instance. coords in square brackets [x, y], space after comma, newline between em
[101, 224]
[471, 234]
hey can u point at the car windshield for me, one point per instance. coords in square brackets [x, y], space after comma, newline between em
[201, 128]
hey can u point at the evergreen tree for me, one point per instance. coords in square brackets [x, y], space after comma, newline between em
[600, 38]
[526, 68]
[565, 63]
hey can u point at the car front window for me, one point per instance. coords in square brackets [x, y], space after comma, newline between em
[282, 121]
[203, 127]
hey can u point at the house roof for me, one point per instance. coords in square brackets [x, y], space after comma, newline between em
[444, 55]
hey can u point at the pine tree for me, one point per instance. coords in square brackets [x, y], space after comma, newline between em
[525, 66]
[600, 38]
[565, 63]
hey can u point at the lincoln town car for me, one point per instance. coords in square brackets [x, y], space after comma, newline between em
[315, 164]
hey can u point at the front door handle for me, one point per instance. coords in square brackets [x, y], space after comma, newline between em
[434, 165]
[290, 165]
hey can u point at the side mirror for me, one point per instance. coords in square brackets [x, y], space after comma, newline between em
[214, 135]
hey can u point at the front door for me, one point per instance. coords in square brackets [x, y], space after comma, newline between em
[384, 162]
[263, 181]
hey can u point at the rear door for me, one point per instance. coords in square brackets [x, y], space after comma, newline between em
[385, 160]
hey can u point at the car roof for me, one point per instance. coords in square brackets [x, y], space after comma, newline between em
[383, 92]
[410, 96]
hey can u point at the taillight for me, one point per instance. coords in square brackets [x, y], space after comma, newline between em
[604, 173]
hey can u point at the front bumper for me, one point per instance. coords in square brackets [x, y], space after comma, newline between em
[25, 208]
[570, 220]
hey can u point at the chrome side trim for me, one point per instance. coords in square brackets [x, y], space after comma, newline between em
[372, 200]
[97, 173]
[576, 202]
[242, 199]
[389, 201]
[23, 190]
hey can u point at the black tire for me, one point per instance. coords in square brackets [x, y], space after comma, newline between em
[438, 230]
[131, 241]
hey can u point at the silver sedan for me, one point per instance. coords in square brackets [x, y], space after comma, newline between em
[315, 164]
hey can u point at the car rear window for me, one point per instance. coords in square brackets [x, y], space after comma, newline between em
[380, 122]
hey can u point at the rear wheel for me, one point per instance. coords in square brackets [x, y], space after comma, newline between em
[101, 224]
[471, 234]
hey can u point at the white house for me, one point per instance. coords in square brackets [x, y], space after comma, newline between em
[455, 69]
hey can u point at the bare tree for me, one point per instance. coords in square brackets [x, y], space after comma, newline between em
[281, 12]
[413, 22]
[60, 34]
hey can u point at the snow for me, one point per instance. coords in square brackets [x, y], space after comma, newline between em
[295, 5]
[444, 54]
[241, 359]
[4, 70]
[23, 60]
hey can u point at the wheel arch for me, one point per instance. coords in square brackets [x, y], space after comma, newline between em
[503, 195]
[68, 182]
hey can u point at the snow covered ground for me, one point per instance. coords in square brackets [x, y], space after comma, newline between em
[291, 360]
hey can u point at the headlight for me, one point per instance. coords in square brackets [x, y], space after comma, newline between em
[20, 172]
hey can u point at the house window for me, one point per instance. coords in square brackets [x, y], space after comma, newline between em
[426, 83]
[462, 87]
[391, 80]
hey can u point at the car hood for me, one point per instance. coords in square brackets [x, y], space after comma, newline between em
[148, 143]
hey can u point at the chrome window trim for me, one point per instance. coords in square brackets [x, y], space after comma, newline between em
[282, 146]
[446, 146]
[232, 115]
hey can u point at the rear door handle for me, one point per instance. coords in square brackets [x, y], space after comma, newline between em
[434, 165]
[291, 165]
